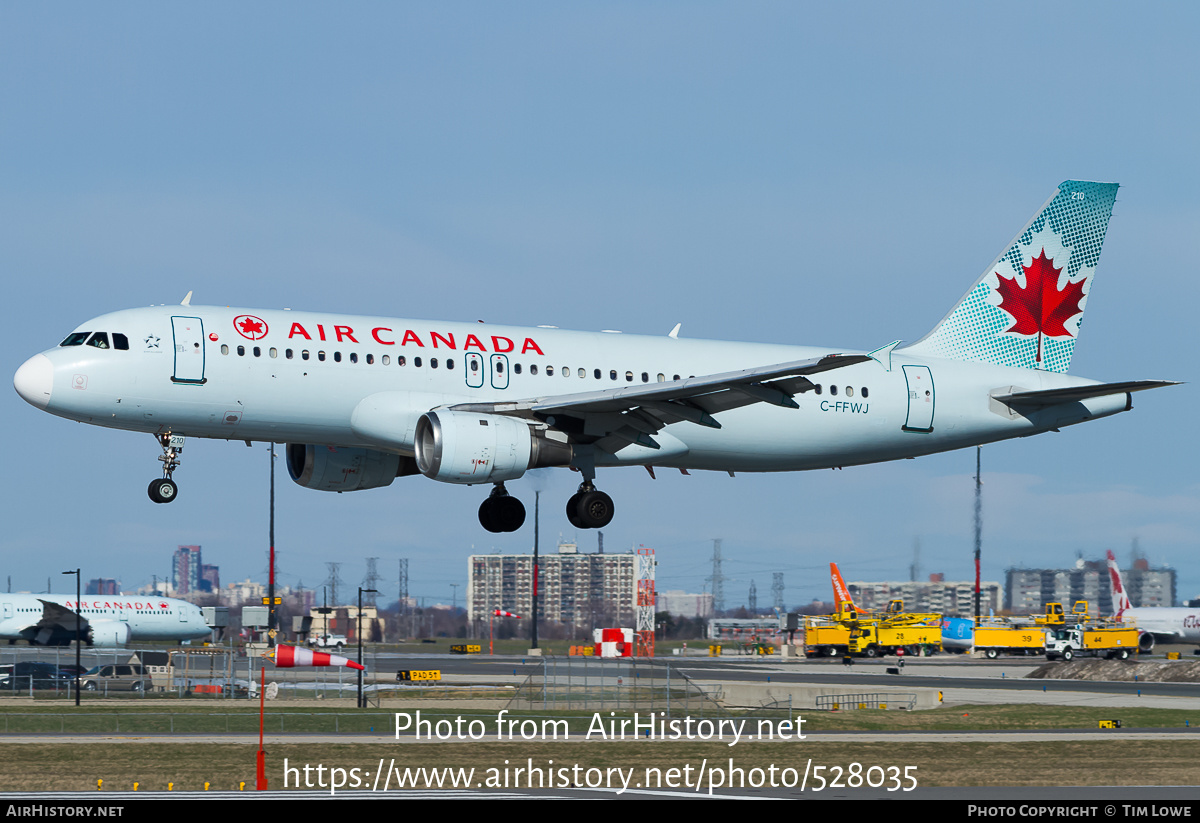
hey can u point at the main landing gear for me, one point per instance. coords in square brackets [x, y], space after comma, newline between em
[165, 490]
[589, 508]
[501, 512]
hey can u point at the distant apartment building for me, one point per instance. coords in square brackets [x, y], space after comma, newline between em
[102, 585]
[585, 590]
[1029, 590]
[189, 575]
[955, 598]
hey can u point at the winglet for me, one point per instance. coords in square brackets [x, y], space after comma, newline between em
[884, 351]
[674, 334]
[187, 301]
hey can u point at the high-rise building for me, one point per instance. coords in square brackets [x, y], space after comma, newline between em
[583, 590]
[950, 598]
[189, 575]
[1029, 590]
[102, 585]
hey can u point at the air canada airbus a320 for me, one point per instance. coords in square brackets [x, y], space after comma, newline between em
[361, 401]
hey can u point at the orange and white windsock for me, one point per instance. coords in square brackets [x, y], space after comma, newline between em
[500, 613]
[288, 657]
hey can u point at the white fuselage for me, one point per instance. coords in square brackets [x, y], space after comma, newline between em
[302, 377]
[138, 618]
[1167, 624]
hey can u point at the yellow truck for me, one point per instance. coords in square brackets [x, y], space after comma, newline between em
[1109, 642]
[997, 639]
[825, 636]
[872, 638]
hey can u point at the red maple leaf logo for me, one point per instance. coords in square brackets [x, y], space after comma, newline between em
[250, 327]
[1040, 308]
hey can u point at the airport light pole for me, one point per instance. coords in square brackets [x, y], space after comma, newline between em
[78, 630]
[358, 636]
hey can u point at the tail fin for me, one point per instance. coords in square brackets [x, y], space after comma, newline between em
[841, 593]
[1026, 309]
[1120, 597]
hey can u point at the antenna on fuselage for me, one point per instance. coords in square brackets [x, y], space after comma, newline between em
[187, 300]
[674, 334]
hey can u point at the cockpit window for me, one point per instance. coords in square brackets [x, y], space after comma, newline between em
[99, 340]
[75, 338]
[120, 342]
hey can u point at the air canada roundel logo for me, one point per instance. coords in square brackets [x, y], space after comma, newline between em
[250, 327]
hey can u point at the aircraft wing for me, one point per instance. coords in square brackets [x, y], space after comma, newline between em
[630, 414]
[57, 616]
[56, 620]
[1052, 397]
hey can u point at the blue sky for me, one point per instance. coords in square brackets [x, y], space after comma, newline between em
[820, 174]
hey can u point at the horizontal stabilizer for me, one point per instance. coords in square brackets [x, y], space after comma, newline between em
[1053, 397]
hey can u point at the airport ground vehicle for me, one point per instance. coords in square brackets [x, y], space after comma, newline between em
[824, 636]
[997, 639]
[328, 641]
[870, 634]
[873, 638]
[1109, 642]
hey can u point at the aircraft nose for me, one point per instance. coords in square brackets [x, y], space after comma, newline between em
[34, 380]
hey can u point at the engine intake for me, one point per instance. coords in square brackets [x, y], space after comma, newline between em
[344, 469]
[468, 448]
[109, 634]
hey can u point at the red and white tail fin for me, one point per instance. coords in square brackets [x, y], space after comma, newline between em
[841, 594]
[1120, 597]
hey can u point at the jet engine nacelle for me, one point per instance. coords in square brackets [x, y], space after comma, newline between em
[467, 448]
[344, 469]
[1145, 642]
[109, 633]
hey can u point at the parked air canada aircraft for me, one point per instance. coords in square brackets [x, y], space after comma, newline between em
[361, 401]
[1162, 624]
[108, 620]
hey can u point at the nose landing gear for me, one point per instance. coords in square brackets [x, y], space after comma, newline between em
[165, 490]
[501, 512]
